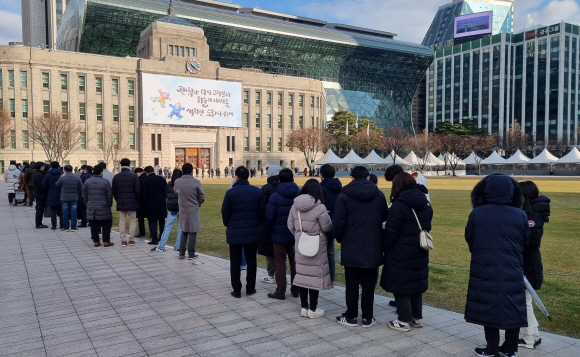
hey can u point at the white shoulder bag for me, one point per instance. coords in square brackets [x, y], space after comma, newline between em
[307, 245]
[425, 239]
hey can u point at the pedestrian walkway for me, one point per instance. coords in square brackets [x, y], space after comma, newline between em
[60, 296]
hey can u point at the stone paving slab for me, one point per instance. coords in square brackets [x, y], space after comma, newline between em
[60, 296]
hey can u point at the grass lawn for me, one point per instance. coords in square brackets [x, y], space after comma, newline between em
[448, 284]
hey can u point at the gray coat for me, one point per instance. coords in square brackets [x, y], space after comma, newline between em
[311, 272]
[98, 197]
[191, 197]
[11, 176]
[71, 187]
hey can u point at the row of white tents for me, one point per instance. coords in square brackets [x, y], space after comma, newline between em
[545, 157]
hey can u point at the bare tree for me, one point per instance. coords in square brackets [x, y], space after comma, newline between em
[310, 141]
[397, 140]
[364, 143]
[515, 139]
[425, 143]
[481, 145]
[114, 145]
[58, 137]
[457, 145]
[5, 128]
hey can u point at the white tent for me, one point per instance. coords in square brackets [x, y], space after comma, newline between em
[470, 160]
[573, 157]
[432, 160]
[398, 159]
[412, 158]
[544, 158]
[353, 158]
[493, 159]
[518, 158]
[457, 159]
[452, 158]
[330, 158]
[374, 159]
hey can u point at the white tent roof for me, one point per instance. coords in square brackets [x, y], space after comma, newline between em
[432, 160]
[470, 160]
[451, 157]
[518, 158]
[398, 159]
[353, 158]
[493, 159]
[330, 158]
[544, 158]
[459, 161]
[412, 158]
[374, 159]
[573, 157]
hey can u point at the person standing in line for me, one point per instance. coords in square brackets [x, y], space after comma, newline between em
[242, 213]
[265, 246]
[359, 214]
[196, 172]
[23, 185]
[53, 194]
[87, 174]
[71, 187]
[331, 188]
[98, 197]
[406, 269]
[226, 171]
[39, 194]
[108, 175]
[190, 198]
[29, 178]
[126, 190]
[142, 211]
[172, 214]
[202, 173]
[277, 211]
[537, 209]
[11, 177]
[497, 233]
[309, 215]
[154, 199]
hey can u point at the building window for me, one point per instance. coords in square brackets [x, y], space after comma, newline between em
[279, 121]
[301, 101]
[45, 80]
[269, 98]
[131, 114]
[83, 141]
[229, 147]
[312, 122]
[269, 121]
[11, 78]
[100, 141]
[280, 99]
[116, 141]
[290, 122]
[115, 86]
[99, 112]
[269, 144]
[152, 142]
[291, 100]
[131, 141]
[192, 52]
[82, 111]
[25, 139]
[99, 85]
[258, 98]
[311, 101]
[258, 142]
[246, 95]
[1, 163]
[279, 144]
[45, 108]
[159, 142]
[1, 86]
[257, 120]
[64, 110]
[170, 50]
[63, 82]
[24, 103]
[301, 122]
[233, 143]
[23, 79]
[246, 120]
[12, 105]
[246, 144]
[81, 83]
[13, 139]
[181, 51]
[317, 102]
[131, 87]
[115, 112]
[83, 162]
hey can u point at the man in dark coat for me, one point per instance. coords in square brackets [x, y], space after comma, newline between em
[242, 213]
[39, 193]
[29, 178]
[331, 188]
[87, 173]
[360, 211]
[154, 200]
[126, 191]
[71, 187]
[497, 232]
[53, 193]
[98, 197]
[142, 211]
[277, 212]
[265, 246]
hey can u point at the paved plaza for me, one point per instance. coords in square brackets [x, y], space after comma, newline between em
[60, 296]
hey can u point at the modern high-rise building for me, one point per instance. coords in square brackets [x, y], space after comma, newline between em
[441, 29]
[40, 21]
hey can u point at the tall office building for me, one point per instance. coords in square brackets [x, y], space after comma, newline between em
[441, 29]
[40, 21]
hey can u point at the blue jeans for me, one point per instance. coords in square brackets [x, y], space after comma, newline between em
[69, 214]
[171, 218]
[243, 261]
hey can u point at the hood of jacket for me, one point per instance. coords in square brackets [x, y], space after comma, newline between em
[361, 190]
[274, 180]
[287, 189]
[497, 189]
[332, 184]
[54, 171]
[305, 203]
[414, 197]
[541, 205]
[12, 168]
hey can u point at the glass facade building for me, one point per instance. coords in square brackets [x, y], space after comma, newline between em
[441, 29]
[363, 71]
[529, 77]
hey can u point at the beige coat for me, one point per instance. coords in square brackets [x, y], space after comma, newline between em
[190, 197]
[311, 272]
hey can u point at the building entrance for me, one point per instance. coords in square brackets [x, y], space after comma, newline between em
[199, 158]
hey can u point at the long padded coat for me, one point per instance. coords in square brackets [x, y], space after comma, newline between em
[126, 190]
[265, 246]
[98, 197]
[190, 197]
[311, 272]
[154, 196]
[49, 185]
[11, 177]
[242, 213]
[497, 232]
[406, 270]
[277, 211]
[537, 216]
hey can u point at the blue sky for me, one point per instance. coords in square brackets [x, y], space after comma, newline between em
[410, 19]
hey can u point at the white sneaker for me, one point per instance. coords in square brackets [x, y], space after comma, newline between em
[316, 313]
[304, 312]
[269, 279]
[399, 326]
[416, 324]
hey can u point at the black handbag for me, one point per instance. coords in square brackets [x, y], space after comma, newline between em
[47, 212]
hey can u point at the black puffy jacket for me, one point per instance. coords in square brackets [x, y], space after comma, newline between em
[242, 213]
[98, 197]
[154, 197]
[265, 246]
[331, 188]
[126, 189]
[142, 211]
[359, 214]
[497, 232]
[39, 191]
[406, 270]
[171, 196]
[537, 216]
[278, 210]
